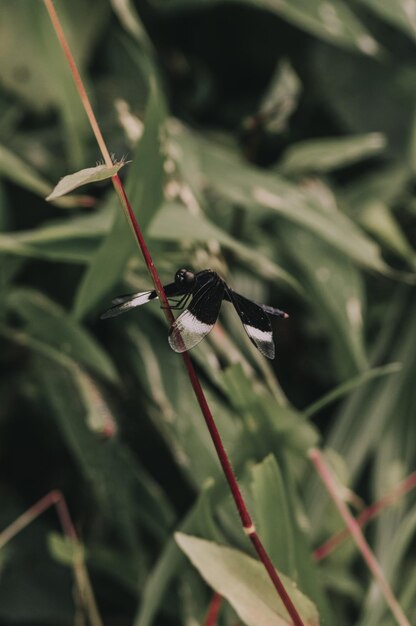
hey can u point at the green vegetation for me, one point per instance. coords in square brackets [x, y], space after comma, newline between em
[275, 143]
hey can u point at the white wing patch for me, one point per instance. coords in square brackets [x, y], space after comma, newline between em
[125, 303]
[262, 339]
[187, 331]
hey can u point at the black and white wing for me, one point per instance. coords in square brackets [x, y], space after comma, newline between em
[125, 303]
[255, 321]
[199, 318]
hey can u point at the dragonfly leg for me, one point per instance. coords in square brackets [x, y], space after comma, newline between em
[179, 303]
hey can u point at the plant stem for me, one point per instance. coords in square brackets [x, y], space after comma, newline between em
[83, 583]
[248, 525]
[213, 610]
[368, 514]
[355, 530]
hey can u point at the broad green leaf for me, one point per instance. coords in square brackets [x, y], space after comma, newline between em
[175, 223]
[84, 177]
[245, 583]
[400, 13]
[169, 563]
[272, 514]
[261, 192]
[49, 323]
[326, 154]
[144, 189]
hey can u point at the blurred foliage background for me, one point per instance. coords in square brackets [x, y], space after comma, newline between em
[275, 143]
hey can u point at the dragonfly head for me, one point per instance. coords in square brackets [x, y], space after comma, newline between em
[184, 278]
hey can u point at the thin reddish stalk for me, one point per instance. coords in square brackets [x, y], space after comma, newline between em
[355, 530]
[209, 420]
[367, 515]
[56, 499]
[213, 610]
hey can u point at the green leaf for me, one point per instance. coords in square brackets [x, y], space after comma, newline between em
[326, 154]
[261, 192]
[400, 13]
[64, 549]
[378, 220]
[245, 583]
[144, 189]
[334, 288]
[331, 20]
[84, 177]
[273, 515]
[13, 168]
[350, 385]
[47, 322]
[72, 240]
[123, 490]
[175, 223]
[280, 99]
[266, 423]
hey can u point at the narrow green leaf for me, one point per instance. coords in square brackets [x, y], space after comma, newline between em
[334, 288]
[13, 168]
[400, 13]
[49, 323]
[350, 385]
[331, 20]
[326, 154]
[108, 467]
[245, 583]
[144, 189]
[273, 515]
[261, 192]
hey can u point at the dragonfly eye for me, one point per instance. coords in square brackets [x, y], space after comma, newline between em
[184, 277]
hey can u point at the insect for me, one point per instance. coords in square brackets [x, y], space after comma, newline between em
[206, 290]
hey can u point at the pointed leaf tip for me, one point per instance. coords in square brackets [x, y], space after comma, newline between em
[83, 177]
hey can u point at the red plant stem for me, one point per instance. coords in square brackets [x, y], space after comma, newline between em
[55, 498]
[29, 516]
[213, 610]
[248, 525]
[355, 530]
[368, 514]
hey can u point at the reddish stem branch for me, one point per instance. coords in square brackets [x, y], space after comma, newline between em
[209, 420]
[213, 610]
[367, 515]
[56, 499]
[355, 530]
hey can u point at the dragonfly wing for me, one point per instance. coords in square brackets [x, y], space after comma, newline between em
[256, 323]
[125, 303]
[199, 318]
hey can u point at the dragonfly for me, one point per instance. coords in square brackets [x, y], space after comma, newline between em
[201, 295]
